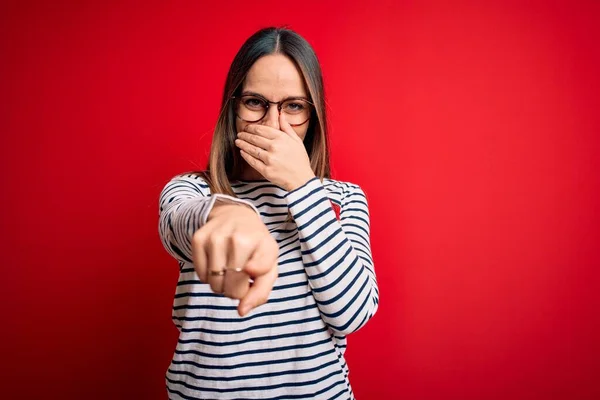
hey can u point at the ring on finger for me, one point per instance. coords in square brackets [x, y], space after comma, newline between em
[216, 279]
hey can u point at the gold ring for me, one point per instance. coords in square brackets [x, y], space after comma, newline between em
[217, 273]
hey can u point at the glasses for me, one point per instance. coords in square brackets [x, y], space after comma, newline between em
[253, 108]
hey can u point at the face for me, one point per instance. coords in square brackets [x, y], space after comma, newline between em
[276, 78]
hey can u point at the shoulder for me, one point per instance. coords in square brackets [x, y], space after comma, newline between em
[191, 181]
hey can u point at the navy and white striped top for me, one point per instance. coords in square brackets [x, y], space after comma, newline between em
[293, 346]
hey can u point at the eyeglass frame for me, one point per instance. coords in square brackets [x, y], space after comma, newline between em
[269, 102]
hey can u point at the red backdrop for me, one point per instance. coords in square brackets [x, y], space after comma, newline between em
[472, 128]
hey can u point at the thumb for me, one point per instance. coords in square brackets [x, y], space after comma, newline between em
[259, 292]
[264, 256]
[286, 127]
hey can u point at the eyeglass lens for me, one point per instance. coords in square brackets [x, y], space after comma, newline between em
[253, 109]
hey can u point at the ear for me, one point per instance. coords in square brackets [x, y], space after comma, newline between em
[286, 127]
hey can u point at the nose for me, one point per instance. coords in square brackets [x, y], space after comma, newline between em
[272, 117]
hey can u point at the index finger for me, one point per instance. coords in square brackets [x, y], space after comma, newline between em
[263, 130]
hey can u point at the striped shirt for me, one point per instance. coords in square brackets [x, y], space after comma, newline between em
[293, 346]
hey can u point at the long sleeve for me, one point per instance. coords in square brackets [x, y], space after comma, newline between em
[336, 255]
[184, 205]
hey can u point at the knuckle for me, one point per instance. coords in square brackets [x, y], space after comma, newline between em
[239, 240]
[198, 237]
[216, 239]
[268, 171]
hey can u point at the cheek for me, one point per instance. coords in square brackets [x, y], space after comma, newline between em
[301, 132]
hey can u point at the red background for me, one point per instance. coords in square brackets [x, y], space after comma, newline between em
[473, 129]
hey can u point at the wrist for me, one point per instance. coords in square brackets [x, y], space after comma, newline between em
[300, 182]
[217, 209]
[225, 207]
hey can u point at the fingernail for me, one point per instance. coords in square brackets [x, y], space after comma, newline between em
[245, 309]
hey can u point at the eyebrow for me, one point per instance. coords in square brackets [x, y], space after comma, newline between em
[247, 92]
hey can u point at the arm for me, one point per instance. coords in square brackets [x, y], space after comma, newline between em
[336, 255]
[184, 206]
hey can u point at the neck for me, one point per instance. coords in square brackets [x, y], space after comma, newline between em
[250, 174]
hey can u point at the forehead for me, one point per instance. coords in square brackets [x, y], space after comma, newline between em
[276, 77]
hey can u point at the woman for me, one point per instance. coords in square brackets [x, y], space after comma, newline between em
[271, 279]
